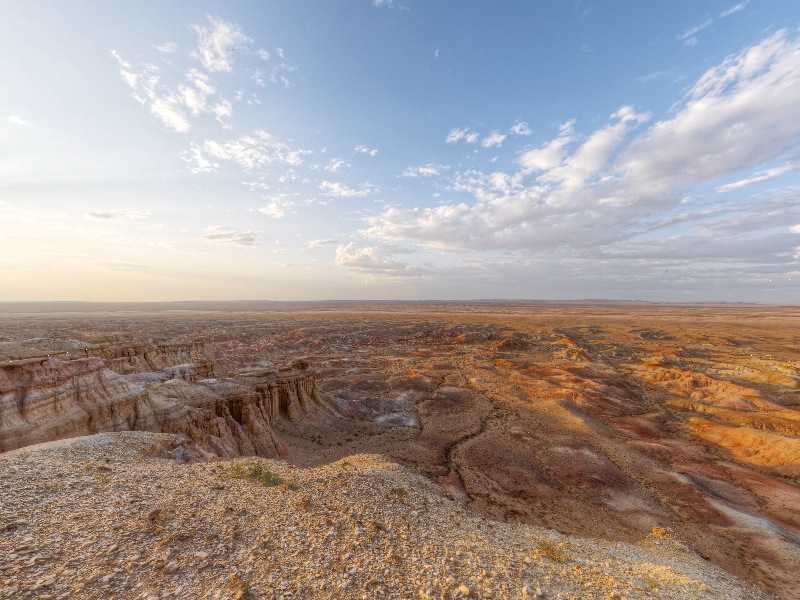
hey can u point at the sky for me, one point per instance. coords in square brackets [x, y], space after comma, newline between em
[400, 149]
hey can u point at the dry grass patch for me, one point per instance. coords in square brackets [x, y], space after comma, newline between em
[553, 551]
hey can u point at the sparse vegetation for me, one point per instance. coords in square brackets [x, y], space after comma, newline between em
[553, 551]
[253, 470]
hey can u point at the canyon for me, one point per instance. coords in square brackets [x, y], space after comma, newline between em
[597, 420]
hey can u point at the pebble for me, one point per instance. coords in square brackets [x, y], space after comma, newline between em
[171, 567]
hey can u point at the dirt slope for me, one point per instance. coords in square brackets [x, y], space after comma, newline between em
[117, 516]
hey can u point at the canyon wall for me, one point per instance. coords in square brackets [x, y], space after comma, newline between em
[48, 399]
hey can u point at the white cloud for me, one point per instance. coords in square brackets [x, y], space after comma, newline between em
[734, 9]
[551, 154]
[274, 210]
[16, 120]
[663, 74]
[322, 242]
[458, 134]
[592, 196]
[277, 206]
[171, 106]
[689, 35]
[339, 190]
[119, 214]
[765, 175]
[167, 48]
[370, 258]
[222, 110]
[334, 165]
[216, 43]
[796, 228]
[221, 235]
[494, 139]
[366, 150]
[249, 151]
[280, 68]
[148, 91]
[739, 115]
[428, 170]
[258, 78]
[520, 128]
[195, 97]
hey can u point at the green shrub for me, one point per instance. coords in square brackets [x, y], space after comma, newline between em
[254, 470]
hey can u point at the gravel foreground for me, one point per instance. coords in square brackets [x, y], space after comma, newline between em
[150, 516]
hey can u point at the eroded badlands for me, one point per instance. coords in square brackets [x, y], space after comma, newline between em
[597, 420]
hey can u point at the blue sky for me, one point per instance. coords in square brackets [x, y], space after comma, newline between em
[387, 149]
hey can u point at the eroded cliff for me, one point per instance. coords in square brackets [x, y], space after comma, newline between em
[49, 399]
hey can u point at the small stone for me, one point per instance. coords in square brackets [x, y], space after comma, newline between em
[171, 567]
[153, 514]
[201, 555]
[464, 589]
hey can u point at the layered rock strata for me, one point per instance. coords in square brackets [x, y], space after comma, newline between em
[49, 399]
[145, 357]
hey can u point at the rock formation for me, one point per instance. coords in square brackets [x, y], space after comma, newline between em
[50, 399]
[143, 357]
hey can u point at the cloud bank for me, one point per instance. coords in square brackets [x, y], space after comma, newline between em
[609, 193]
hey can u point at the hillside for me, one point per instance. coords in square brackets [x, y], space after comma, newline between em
[143, 515]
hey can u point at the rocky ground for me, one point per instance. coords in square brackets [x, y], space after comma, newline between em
[146, 516]
[602, 421]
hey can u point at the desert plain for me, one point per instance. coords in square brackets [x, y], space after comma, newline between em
[554, 434]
